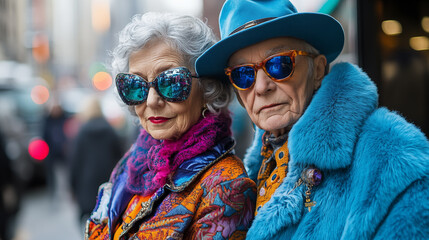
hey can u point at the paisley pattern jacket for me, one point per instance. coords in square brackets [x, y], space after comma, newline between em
[208, 197]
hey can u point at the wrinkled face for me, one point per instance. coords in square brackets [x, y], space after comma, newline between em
[276, 106]
[160, 118]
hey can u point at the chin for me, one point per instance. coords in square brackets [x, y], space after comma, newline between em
[275, 126]
[158, 135]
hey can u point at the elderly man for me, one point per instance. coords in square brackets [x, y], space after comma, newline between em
[328, 163]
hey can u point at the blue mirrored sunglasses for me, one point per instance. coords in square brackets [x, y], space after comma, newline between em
[278, 67]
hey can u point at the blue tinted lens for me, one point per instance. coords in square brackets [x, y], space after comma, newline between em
[131, 88]
[175, 84]
[136, 91]
[243, 77]
[279, 67]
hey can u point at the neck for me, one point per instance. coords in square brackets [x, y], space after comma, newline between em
[280, 132]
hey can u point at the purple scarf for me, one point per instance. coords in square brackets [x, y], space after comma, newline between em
[151, 161]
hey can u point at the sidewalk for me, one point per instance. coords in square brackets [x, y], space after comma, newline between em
[43, 218]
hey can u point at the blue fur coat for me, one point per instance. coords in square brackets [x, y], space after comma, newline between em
[375, 168]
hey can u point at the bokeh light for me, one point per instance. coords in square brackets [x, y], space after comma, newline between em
[41, 48]
[95, 68]
[391, 27]
[38, 149]
[102, 81]
[425, 24]
[419, 43]
[100, 12]
[39, 94]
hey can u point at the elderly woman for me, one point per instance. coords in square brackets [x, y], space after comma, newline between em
[181, 179]
[329, 164]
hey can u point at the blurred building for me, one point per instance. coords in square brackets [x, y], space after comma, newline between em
[65, 45]
[12, 25]
[393, 48]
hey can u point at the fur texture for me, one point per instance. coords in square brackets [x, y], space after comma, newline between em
[375, 167]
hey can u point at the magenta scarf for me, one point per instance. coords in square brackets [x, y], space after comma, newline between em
[151, 161]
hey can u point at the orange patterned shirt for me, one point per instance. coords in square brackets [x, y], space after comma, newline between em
[271, 173]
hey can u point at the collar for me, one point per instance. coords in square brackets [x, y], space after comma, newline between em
[192, 168]
[274, 142]
[326, 134]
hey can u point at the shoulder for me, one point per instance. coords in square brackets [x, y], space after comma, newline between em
[229, 166]
[226, 184]
[388, 144]
[388, 135]
[227, 172]
[230, 161]
[389, 147]
[391, 159]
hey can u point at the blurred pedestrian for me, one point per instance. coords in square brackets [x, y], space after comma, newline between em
[95, 151]
[55, 137]
[181, 178]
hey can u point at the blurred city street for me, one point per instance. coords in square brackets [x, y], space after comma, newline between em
[43, 217]
[55, 56]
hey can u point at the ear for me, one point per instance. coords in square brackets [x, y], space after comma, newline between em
[319, 70]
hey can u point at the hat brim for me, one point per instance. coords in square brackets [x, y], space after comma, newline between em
[319, 30]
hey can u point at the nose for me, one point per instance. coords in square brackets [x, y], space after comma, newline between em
[263, 84]
[153, 99]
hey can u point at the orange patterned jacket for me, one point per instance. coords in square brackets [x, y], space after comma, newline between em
[207, 198]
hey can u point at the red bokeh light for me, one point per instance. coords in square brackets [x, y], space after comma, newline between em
[38, 149]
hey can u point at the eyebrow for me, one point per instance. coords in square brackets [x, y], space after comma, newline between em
[275, 50]
[158, 70]
[163, 68]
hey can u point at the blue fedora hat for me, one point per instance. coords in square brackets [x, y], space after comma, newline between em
[246, 22]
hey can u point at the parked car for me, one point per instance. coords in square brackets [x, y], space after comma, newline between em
[20, 120]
